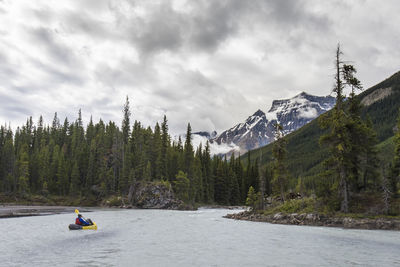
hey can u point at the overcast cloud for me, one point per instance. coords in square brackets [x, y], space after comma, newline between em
[210, 63]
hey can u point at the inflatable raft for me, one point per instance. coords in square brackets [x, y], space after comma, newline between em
[80, 227]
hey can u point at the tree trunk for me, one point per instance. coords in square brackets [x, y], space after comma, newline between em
[130, 194]
[386, 192]
[282, 190]
[262, 189]
[345, 192]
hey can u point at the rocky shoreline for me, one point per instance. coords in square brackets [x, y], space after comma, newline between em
[11, 211]
[314, 219]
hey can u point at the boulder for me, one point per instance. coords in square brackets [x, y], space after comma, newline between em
[279, 216]
[155, 195]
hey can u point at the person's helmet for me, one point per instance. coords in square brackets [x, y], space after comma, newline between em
[79, 215]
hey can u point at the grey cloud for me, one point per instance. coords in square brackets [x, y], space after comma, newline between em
[95, 6]
[84, 19]
[203, 28]
[16, 111]
[294, 13]
[58, 76]
[43, 14]
[208, 24]
[84, 22]
[214, 21]
[162, 31]
[189, 85]
[127, 74]
[7, 71]
[103, 104]
[3, 58]
[57, 51]
[11, 107]
[198, 99]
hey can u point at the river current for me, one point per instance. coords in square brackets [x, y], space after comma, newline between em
[187, 238]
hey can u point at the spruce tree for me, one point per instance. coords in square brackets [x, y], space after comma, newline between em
[164, 148]
[156, 153]
[126, 126]
[62, 175]
[197, 194]
[207, 175]
[370, 161]
[251, 199]
[182, 186]
[23, 170]
[221, 194]
[347, 135]
[279, 152]
[147, 172]
[74, 184]
[338, 139]
[395, 170]
[126, 152]
[91, 168]
[188, 151]
[239, 172]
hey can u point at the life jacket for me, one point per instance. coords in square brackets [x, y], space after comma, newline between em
[77, 221]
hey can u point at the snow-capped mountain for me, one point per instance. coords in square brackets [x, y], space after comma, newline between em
[258, 129]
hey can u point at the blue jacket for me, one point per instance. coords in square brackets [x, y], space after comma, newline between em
[84, 223]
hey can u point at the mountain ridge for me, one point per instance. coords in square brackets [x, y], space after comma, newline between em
[259, 129]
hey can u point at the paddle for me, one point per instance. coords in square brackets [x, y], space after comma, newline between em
[77, 212]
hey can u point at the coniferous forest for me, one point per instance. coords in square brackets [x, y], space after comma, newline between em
[101, 159]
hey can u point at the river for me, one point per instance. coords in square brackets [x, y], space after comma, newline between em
[187, 238]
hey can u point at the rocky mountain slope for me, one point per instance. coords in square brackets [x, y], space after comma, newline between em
[258, 129]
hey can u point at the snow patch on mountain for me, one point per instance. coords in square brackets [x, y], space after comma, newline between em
[259, 129]
[308, 113]
[215, 148]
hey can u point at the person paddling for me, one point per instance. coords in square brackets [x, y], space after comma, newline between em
[81, 221]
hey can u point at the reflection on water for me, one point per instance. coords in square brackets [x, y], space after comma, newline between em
[187, 238]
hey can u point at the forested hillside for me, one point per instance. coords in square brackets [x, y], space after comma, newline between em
[384, 112]
[365, 143]
[102, 160]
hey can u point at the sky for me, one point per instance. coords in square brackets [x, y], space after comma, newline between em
[210, 63]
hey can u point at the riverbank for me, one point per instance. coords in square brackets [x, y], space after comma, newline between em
[142, 195]
[315, 219]
[11, 211]
[15, 210]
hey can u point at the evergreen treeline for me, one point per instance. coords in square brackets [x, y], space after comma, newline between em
[102, 160]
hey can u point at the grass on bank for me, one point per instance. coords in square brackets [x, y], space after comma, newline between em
[365, 207]
[304, 205]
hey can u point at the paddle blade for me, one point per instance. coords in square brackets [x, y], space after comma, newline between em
[76, 211]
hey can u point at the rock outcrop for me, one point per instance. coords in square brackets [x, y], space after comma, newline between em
[155, 195]
[315, 219]
[376, 95]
